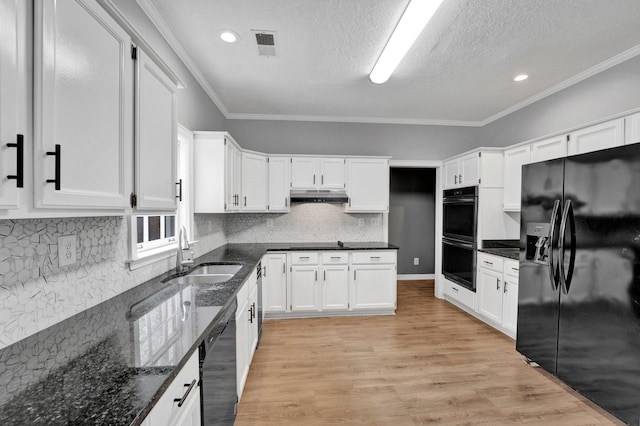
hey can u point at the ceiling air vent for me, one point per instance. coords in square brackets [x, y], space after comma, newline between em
[266, 41]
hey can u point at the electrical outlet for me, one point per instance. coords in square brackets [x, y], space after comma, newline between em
[269, 223]
[416, 260]
[360, 222]
[66, 250]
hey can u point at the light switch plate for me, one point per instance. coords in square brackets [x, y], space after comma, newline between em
[66, 250]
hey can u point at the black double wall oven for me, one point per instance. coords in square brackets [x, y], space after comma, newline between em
[459, 233]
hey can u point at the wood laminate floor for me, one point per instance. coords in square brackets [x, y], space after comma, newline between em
[429, 364]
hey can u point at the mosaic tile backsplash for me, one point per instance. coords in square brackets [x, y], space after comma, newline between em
[36, 293]
[307, 222]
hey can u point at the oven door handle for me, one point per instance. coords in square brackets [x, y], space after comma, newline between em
[460, 244]
[466, 200]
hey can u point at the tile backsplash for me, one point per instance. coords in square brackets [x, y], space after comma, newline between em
[307, 222]
[35, 293]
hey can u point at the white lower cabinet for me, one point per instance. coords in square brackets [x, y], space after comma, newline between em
[497, 290]
[180, 403]
[335, 287]
[374, 280]
[274, 282]
[246, 329]
[304, 288]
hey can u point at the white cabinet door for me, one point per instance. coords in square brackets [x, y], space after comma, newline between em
[210, 173]
[332, 173]
[274, 282]
[514, 159]
[279, 184]
[13, 101]
[600, 136]
[373, 287]
[254, 182]
[253, 317]
[233, 159]
[451, 174]
[243, 334]
[335, 287]
[304, 171]
[83, 108]
[510, 304]
[190, 410]
[489, 290]
[632, 129]
[549, 149]
[368, 185]
[156, 138]
[469, 174]
[304, 288]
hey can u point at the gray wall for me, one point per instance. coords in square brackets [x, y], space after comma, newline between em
[402, 141]
[195, 109]
[412, 218]
[608, 93]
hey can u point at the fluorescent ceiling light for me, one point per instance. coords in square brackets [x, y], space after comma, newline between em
[520, 77]
[229, 36]
[413, 20]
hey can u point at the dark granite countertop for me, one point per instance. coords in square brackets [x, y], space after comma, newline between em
[98, 367]
[503, 248]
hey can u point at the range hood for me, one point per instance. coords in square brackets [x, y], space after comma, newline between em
[319, 196]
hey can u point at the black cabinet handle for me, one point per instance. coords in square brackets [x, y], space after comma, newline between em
[253, 310]
[322, 180]
[57, 153]
[179, 196]
[19, 176]
[314, 179]
[181, 401]
[245, 201]
[251, 314]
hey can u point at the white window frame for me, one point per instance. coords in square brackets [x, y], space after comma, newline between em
[153, 251]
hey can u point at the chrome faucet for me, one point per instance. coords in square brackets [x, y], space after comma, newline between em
[183, 245]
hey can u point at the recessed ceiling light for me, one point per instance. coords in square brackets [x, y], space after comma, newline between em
[413, 20]
[520, 77]
[229, 36]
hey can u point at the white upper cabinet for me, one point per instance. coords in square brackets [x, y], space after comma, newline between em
[279, 183]
[209, 172]
[232, 175]
[83, 108]
[156, 182]
[317, 173]
[332, 173]
[254, 182]
[304, 173]
[368, 185]
[13, 94]
[593, 138]
[514, 159]
[632, 129]
[549, 149]
[483, 168]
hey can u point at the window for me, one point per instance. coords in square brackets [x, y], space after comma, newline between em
[158, 233]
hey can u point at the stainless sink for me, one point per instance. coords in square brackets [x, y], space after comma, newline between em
[215, 269]
[208, 273]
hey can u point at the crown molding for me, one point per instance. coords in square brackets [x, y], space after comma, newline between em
[338, 119]
[590, 72]
[165, 30]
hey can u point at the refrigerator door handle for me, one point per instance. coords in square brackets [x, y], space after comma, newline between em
[553, 269]
[567, 216]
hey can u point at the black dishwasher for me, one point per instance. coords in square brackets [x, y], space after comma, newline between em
[218, 389]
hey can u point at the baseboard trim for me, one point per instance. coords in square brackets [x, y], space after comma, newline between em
[312, 314]
[408, 277]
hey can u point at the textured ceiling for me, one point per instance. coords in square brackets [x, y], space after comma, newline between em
[459, 71]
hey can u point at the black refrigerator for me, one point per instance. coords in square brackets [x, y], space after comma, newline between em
[579, 293]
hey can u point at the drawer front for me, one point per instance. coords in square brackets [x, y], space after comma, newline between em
[335, 257]
[461, 295]
[488, 261]
[373, 256]
[304, 258]
[512, 267]
[166, 411]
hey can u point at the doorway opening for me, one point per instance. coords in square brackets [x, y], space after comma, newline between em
[412, 220]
